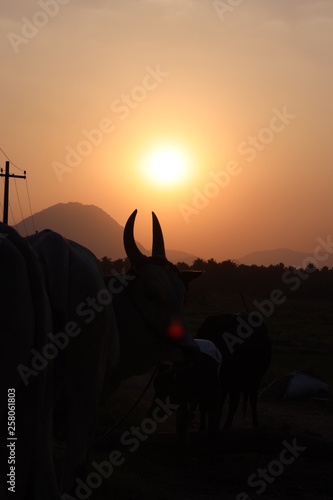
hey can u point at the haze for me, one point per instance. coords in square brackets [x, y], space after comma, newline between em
[89, 88]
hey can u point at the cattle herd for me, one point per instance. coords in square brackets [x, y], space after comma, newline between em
[70, 335]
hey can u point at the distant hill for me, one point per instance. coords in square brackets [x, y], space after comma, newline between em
[91, 227]
[286, 256]
[179, 256]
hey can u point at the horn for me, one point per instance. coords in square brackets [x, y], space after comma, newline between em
[132, 251]
[158, 242]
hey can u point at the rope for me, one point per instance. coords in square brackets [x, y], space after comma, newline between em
[111, 429]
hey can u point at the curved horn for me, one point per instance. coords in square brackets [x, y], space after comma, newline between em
[158, 242]
[132, 251]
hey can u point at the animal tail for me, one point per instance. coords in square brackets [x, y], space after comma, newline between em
[244, 301]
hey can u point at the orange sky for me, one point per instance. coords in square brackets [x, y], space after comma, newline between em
[89, 87]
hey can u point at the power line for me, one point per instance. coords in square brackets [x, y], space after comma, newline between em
[3, 184]
[22, 170]
[28, 194]
[7, 176]
[32, 217]
[11, 212]
[2, 151]
[19, 202]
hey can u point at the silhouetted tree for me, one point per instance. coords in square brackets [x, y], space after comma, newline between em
[106, 265]
[198, 265]
[182, 266]
[230, 277]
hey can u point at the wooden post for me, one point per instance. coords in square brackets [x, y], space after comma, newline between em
[6, 195]
[6, 175]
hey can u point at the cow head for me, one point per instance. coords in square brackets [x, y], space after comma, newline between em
[155, 299]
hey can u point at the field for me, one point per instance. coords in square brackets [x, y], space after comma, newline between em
[150, 468]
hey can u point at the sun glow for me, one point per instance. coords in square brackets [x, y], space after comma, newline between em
[166, 165]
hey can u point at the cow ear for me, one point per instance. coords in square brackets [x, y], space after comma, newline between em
[188, 276]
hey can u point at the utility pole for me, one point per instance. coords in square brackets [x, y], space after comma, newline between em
[6, 175]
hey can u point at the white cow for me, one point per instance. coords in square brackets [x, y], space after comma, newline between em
[25, 409]
[108, 332]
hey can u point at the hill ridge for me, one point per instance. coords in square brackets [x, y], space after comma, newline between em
[102, 234]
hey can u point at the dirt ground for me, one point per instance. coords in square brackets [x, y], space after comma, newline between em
[247, 464]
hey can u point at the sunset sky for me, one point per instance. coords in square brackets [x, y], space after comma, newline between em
[215, 115]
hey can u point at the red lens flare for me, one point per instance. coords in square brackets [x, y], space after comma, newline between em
[175, 330]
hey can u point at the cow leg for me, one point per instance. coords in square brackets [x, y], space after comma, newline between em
[46, 481]
[213, 413]
[152, 406]
[253, 402]
[83, 388]
[213, 419]
[182, 429]
[224, 393]
[203, 412]
[78, 444]
[233, 405]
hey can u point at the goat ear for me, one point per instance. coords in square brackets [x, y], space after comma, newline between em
[188, 276]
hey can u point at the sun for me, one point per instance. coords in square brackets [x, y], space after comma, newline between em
[166, 165]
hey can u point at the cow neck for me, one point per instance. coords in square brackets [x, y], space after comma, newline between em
[158, 261]
[122, 312]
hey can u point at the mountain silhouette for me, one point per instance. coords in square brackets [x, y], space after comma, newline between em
[91, 227]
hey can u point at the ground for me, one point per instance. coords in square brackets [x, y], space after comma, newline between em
[302, 337]
[153, 471]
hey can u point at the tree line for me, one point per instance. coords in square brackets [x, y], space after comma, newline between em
[229, 277]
